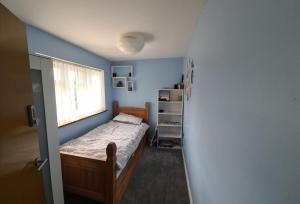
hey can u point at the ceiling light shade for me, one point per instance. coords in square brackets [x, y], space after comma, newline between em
[131, 43]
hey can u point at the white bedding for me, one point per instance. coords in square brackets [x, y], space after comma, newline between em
[93, 144]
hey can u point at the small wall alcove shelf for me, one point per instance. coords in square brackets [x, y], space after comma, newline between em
[122, 77]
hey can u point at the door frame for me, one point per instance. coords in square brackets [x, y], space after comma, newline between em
[45, 65]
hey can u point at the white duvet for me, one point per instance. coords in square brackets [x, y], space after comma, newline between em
[93, 144]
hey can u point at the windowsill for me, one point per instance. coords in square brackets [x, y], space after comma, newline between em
[61, 126]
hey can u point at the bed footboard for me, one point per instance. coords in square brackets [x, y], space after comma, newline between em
[91, 178]
[111, 182]
[96, 179]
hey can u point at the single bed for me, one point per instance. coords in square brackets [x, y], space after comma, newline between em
[98, 176]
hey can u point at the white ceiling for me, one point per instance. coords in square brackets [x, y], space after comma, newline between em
[96, 24]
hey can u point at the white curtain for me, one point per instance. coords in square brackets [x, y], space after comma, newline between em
[79, 91]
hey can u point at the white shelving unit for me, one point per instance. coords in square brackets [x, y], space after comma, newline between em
[169, 118]
[169, 113]
[122, 77]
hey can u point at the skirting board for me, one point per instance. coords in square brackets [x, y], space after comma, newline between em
[187, 178]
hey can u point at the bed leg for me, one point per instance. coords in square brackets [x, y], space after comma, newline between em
[115, 108]
[110, 184]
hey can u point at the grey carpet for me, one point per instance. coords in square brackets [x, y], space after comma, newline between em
[159, 179]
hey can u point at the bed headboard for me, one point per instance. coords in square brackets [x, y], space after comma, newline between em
[139, 112]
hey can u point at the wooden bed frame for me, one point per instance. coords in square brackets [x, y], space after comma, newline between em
[96, 179]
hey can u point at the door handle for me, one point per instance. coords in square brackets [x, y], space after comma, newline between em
[40, 163]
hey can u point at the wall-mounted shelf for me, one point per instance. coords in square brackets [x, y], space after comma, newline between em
[122, 71]
[130, 85]
[119, 77]
[119, 82]
[122, 77]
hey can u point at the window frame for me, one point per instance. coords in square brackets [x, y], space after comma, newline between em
[87, 117]
[104, 89]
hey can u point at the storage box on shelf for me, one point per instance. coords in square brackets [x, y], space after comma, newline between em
[169, 118]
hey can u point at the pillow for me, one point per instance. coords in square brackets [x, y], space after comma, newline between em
[129, 119]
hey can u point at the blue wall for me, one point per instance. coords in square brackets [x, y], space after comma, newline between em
[242, 124]
[45, 43]
[149, 76]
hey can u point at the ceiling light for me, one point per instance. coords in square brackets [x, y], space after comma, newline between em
[131, 43]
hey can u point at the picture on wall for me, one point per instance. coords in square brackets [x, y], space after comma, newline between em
[189, 78]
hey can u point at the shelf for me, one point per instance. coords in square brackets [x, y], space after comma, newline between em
[169, 125]
[176, 147]
[130, 86]
[169, 113]
[170, 101]
[124, 74]
[116, 87]
[116, 80]
[170, 89]
[121, 77]
[166, 144]
[169, 135]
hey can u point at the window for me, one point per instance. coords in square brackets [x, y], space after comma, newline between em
[79, 91]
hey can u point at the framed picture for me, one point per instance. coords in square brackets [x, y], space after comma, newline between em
[189, 78]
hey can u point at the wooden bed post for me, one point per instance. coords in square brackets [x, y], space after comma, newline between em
[110, 184]
[115, 108]
[147, 109]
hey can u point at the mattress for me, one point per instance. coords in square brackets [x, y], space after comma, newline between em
[93, 144]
